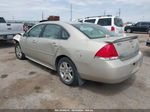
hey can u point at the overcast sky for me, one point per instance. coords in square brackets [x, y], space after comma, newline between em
[131, 10]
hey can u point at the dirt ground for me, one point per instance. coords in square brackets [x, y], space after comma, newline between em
[27, 85]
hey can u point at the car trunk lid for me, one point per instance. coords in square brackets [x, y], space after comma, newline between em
[126, 47]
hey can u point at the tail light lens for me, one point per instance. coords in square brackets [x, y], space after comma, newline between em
[107, 52]
[112, 28]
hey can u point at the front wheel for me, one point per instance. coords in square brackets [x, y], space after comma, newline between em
[68, 72]
[129, 31]
[19, 54]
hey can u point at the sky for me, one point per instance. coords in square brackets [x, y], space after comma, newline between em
[131, 10]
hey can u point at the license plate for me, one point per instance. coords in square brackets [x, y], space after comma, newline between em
[9, 36]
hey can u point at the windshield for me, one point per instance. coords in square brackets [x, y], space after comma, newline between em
[118, 22]
[94, 31]
[2, 20]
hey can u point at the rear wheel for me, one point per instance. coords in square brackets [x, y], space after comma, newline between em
[129, 31]
[68, 72]
[18, 52]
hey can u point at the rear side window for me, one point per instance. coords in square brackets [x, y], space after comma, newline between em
[52, 31]
[90, 20]
[104, 22]
[118, 22]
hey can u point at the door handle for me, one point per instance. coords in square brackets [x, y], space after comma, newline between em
[34, 41]
[54, 44]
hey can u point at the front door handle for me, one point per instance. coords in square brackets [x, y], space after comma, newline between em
[34, 41]
[54, 44]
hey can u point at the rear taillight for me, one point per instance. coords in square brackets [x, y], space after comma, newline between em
[107, 52]
[112, 28]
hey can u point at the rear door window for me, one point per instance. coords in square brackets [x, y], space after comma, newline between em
[90, 20]
[52, 31]
[118, 22]
[104, 22]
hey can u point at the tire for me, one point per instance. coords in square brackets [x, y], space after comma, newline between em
[129, 31]
[67, 72]
[148, 31]
[19, 54]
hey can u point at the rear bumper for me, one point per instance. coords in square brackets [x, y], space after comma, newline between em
[113, 71]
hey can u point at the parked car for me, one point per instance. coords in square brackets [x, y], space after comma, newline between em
[80, 51]
[138, 27]
[112, 23]
[148, 42]
[8, 30]
[27, 26]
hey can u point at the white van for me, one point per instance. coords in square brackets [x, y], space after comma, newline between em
[112, 23]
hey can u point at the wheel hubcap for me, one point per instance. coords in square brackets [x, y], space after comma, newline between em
[18, 52]
[128, 30]
[66, 72]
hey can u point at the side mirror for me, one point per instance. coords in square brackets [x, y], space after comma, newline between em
[25, 34]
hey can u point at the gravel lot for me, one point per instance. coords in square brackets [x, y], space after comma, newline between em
[27, 85]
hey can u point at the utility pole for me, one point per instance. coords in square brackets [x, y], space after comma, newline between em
[42, 15]
[104, 12]
[71, 12]
[119, 12]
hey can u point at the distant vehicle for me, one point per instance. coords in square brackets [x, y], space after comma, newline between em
[138, 27]
[80, 51]
[148, 42]
[27, 26]
[110, 22]
[8, 30]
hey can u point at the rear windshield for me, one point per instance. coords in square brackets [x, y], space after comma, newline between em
[118, 22]
[104, 22]
[94, 31]
[2, 20]
[90, 20]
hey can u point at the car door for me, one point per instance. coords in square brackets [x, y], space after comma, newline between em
[48, 44]
[144, 27]
[136, 27]
[29, 42]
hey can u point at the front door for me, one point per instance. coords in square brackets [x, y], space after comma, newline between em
[30, 40]
[49, 43]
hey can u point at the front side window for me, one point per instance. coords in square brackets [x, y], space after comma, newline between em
[144, 24]
[2, 20]
[94, 31]
[90, 21]
[52, 31]
[36, 31]
[104, 22]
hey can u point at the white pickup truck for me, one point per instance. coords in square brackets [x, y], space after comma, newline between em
[8, 30]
